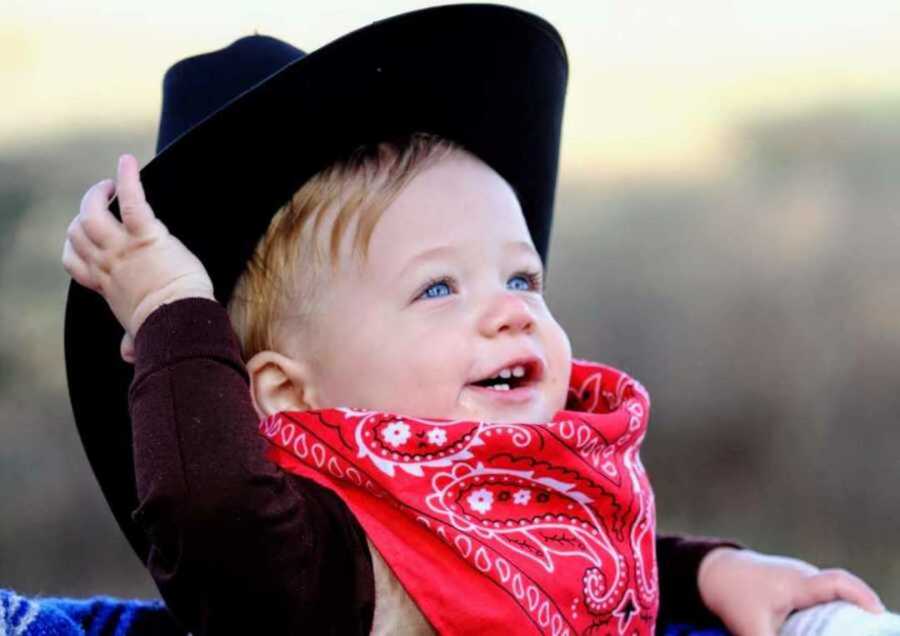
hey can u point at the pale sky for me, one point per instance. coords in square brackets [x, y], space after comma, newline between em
[654, 86]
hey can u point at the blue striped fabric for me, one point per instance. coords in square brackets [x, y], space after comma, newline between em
[95, 616]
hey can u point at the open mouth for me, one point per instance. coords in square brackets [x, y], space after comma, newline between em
[512, 376]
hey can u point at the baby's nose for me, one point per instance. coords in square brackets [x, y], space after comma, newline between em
[510, 313]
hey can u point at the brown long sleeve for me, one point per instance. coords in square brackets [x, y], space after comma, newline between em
[678, 558]
[238, 545]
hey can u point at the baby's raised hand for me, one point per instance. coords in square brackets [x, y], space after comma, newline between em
[136, 265]
[753, 593]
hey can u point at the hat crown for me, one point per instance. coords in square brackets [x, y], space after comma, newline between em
[197, 86]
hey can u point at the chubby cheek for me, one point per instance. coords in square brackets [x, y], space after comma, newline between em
[560, 365]
[426, 379]
[397, 373]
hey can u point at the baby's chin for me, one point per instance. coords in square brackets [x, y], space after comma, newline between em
[482, 416]
[523, 414]
[522, 406]
[511, 419]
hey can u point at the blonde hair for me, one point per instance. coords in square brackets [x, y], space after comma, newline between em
[287, 265]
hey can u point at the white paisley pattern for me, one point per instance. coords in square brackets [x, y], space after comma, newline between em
[560, 516]
[396, 433]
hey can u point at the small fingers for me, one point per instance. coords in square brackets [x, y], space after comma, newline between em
[136, 212]
[99, 225]
[77, 268]
[80, 243]
[836, 584]
[98, 195]
[90, 255]
[854, 589]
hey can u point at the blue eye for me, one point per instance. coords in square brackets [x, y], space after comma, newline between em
[524, 282]
[518, 283]
[437, 289]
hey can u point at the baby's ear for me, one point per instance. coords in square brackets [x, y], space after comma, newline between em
[279, 383]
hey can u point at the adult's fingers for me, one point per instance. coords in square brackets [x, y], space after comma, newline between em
[99, 225]
[136, 213]
[837, 584]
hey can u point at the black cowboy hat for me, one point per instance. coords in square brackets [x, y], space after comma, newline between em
[242, 128]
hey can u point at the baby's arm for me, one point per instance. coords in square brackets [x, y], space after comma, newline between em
[678, 559]
[237, 545]
[754, 593]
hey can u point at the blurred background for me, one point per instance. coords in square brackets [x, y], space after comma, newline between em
[726, 231]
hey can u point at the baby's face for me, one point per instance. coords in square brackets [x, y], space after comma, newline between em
[445, 318]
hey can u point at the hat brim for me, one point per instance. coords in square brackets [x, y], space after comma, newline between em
[488, 77]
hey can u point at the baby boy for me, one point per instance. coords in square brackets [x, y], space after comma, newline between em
[403, 281]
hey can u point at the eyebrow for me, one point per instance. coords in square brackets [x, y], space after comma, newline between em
[426, 255]
[523, 246]
[449, 250]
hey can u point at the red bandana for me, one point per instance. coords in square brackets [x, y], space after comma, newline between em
[500, 528]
